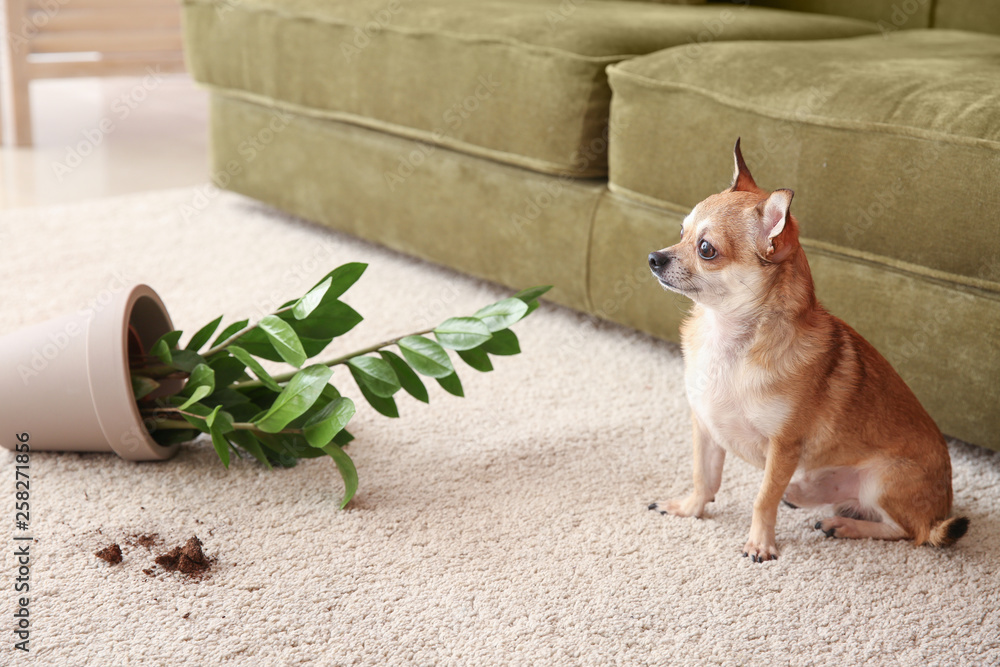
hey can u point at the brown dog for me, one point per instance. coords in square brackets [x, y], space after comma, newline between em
[775, 379]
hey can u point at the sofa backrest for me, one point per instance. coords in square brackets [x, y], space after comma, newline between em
[890, 14]
[974, 15]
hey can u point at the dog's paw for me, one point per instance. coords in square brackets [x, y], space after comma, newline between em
[760, 550]
[690, 506]
[828, 526]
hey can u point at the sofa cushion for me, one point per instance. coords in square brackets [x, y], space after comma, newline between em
[892, 144]
[515, 80]
[495, 221]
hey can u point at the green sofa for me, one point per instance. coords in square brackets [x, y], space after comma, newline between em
[558, 142]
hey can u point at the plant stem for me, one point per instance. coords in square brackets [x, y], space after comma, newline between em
[285, 377]
[158, 372]
[239, 334]
[175, 425]
[181, 425]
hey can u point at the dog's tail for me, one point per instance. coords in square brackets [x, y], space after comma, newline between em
[947, 532]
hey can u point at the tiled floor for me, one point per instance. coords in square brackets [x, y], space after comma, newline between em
[103, 137]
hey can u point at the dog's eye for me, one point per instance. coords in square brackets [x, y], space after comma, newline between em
[682, 231]
[706, 250]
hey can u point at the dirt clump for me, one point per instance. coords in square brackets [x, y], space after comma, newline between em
[111, 553]
[189, 560]
[146, 540]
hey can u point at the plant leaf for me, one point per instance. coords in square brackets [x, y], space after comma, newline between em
[452, 385]
[329, 320]
[375, 374]
[143, 386]
[343, 437]
[290, 444]
[503, 343]
[164, 345]
[229, 331]
[462, 333]
[426, 357]
[502, 314]
[196, 413]
[342, 277]
[220, 444]
[307, 304]
[210, 419]
[229, 399]
[227, 369]
[407, 378]
[329, 421]
[347, 471]
[244, 357]
[477, 358]
[171, 436]
[532, 293]
[384, 406]
[201, 376]
[247, 441]
[186, 360]
[284, 340]
[203, 334]
[297, 397]
[198, 394]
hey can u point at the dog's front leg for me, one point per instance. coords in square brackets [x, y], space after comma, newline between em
[708, 461]
[782, 460]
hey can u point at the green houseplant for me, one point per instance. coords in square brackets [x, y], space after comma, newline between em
[222, 389]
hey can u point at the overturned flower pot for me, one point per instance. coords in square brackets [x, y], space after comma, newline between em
[66, 382]
[118, 380]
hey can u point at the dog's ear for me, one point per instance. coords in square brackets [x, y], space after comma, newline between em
[742, 180]
[774, 214]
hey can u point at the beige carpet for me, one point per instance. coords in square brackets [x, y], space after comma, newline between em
[509, 527]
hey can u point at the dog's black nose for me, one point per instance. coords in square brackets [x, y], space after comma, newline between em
[658, 260]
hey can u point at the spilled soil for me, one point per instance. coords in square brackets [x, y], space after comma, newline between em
[112, 554]
[189, 559]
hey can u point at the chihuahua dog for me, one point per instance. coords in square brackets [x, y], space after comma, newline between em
[778, 381]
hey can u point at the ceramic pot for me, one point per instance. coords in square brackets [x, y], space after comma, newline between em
[66, 382]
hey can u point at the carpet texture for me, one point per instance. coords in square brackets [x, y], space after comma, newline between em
[508, 527]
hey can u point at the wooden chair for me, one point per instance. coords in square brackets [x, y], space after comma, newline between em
[48, 39]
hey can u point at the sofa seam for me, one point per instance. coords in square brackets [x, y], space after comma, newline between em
[422, 136]
[983, 289]
[412, 32]
[932, 14]
[986, 288]
[646, 200]
[808, 119]
[587, 268]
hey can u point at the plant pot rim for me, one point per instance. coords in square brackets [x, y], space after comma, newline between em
[110, 380]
